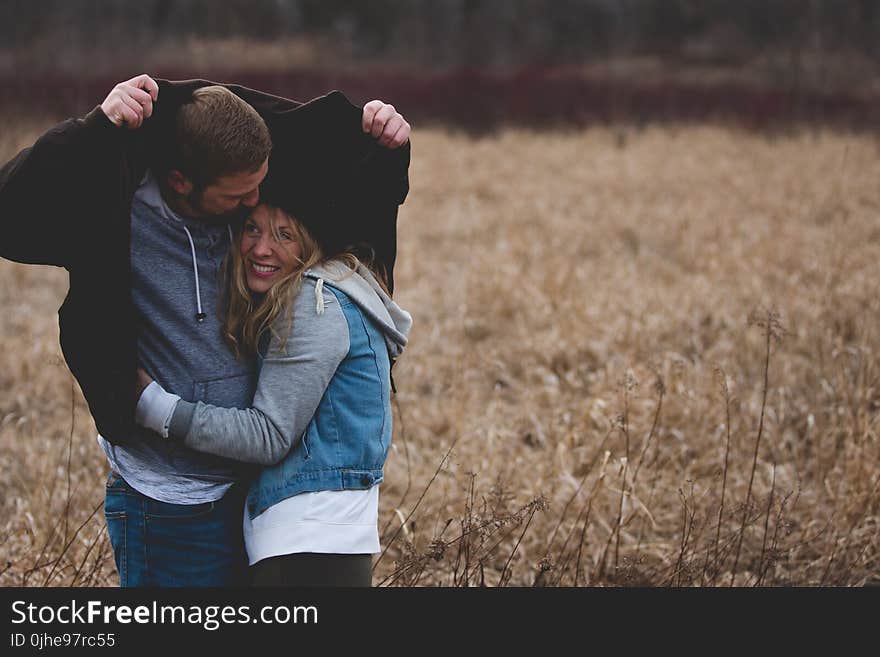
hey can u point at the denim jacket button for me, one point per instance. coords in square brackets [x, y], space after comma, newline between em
[366, 480]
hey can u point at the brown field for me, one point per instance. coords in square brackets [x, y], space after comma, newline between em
[590, 350]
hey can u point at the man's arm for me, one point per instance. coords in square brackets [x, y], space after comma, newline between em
[384, 181]
[49, 189]
[42, 190]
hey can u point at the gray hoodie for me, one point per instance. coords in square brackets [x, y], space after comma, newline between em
[175, 264]
[292, 380]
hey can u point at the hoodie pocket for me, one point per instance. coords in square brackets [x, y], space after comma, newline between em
[227, 391]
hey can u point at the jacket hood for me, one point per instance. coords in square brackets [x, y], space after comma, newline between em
[365, 292]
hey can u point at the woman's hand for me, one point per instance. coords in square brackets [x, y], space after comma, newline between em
[142, 380]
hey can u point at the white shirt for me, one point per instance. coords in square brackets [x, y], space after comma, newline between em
[327, 521]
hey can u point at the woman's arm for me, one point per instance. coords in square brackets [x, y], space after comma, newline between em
[289, 390]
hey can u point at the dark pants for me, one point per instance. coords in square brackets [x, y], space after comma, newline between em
[312, 569]
[160, 544]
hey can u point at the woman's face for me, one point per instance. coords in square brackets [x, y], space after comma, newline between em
[269, 248]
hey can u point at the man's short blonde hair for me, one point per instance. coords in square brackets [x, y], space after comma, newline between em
[218, 134]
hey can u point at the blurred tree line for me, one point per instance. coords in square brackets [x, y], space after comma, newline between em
[475, 63]
[456, 33]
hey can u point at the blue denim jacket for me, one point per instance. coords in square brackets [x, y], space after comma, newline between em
[346, 442]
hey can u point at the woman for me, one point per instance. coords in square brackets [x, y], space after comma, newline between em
[325, 333]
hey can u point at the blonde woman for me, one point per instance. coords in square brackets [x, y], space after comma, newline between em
[325, 332]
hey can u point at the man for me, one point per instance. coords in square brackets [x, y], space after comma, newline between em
[135, 200]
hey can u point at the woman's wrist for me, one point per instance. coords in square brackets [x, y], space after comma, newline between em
[155, 408]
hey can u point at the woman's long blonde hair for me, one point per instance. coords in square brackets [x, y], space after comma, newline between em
[248, 318]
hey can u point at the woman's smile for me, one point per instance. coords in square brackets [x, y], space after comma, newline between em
[264, 271]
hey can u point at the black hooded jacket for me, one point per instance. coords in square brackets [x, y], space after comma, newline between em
[66, 201]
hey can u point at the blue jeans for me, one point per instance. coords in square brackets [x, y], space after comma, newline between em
[160, 544]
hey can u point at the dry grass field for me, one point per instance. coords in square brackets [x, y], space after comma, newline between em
[639, 358]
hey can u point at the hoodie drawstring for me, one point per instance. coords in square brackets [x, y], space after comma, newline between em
[200, 316]
[319, 296]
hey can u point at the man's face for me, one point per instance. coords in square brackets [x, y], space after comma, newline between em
[227, 195]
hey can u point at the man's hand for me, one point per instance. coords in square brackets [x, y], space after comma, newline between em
[141, 382]
[385, 124]
[131, 101]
